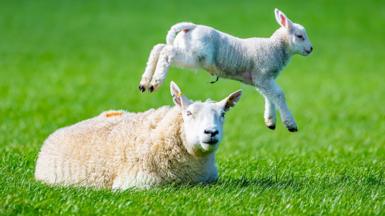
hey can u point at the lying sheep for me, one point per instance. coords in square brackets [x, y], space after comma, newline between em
[254, 61]
[121, 150]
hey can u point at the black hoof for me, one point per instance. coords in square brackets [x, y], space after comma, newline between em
[293, 129]
[151, 89]
[272, 127]
[141, 88]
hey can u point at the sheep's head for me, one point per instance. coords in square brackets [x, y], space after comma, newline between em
[299, 42]
[203, 121]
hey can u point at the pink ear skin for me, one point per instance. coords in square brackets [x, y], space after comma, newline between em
[283, 20]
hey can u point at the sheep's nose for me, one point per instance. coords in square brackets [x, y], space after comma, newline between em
[212, 132]
[311, 48]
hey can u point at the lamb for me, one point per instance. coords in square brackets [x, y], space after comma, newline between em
[120, 150]
[253, 61]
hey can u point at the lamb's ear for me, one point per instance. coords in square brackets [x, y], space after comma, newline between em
[282, 19]
[231, 100]
[179, 99]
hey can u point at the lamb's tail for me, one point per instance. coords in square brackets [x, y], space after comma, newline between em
[175, 29]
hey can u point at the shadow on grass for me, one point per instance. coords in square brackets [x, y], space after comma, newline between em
[243, 183]
[261, 183]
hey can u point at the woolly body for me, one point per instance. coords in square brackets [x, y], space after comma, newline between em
[231, 57]
[128, 150]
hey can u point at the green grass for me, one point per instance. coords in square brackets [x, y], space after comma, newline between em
[64, 61]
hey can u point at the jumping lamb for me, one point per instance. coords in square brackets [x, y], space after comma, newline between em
[120, 150]
[253, 61]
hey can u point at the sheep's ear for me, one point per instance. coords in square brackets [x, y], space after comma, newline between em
[179, 99]
[282, 19]
[231, 100]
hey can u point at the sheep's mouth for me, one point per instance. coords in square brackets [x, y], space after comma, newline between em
[211, 142]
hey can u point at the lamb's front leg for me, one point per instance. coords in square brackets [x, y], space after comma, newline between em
[274, 94]
[150, 67]
[164, 62]
[269, 115]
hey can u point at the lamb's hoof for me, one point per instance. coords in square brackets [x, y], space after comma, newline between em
[151, 89]
[154, 86]
[270, 122]
[142, 88]
[294, 129]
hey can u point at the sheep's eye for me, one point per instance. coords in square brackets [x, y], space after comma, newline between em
[222, 114]
[188, 113]
[300, 37]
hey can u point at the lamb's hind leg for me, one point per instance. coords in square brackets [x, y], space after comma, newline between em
[164, 62]
[150, 68]
[272, 91]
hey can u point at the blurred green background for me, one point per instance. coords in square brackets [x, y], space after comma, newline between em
[64, 61]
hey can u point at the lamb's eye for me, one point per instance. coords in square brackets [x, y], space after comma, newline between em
[300, 37]
[188, 113]
[222, 114]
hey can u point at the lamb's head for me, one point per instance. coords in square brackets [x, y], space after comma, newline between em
[298, 41]
[203, 121]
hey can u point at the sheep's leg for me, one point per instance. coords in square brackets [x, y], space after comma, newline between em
[269, 115]
[273, 92]
[150, 68]
[164, 62]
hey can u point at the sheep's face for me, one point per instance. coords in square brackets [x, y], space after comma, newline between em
[299, 42]
[203, 126]
[203, 121]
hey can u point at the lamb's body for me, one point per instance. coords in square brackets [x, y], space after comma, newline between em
[228, 56]
[121, 150]
[254, 61]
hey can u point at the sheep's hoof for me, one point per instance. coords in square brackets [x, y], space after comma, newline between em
[142, 88]
[151, 89]
[154, 86]
[270, 122]
[293, 129]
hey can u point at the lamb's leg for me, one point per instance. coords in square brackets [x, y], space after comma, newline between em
[269, 115]
[150, 68]
[164, 62]
[273, 92]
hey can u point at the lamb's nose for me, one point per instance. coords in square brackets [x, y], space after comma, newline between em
[212, 132]
[311, 49]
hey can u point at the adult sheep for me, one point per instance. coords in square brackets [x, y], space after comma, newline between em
[254, 61]
[120, 150]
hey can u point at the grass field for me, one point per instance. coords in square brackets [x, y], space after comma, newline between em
[64, 61]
